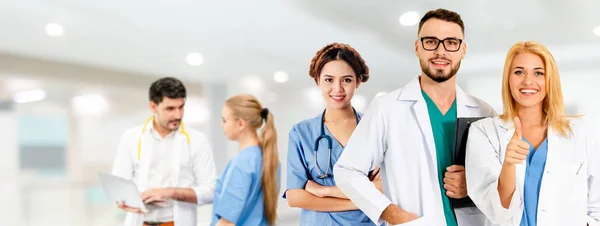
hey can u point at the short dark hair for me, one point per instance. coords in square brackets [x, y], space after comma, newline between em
[339, 51]
[166, 87]
[445, 15]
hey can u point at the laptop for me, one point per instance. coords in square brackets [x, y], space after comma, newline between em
[121, 190]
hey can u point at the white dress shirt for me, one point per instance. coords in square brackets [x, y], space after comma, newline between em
[143, 157]
[160, 174]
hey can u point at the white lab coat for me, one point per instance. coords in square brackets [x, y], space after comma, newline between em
[570, 189]
[395, 132]
[193, 167]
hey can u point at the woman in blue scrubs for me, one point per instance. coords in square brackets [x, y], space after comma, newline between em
[338, 70]
[246, 192]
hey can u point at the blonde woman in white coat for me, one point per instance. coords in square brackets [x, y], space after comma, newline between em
[533, 165]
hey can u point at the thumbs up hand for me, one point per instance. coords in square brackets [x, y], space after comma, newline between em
[517, 149]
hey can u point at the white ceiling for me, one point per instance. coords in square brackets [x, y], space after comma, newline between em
[240, 38]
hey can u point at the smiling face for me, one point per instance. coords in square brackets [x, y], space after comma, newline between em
[527, 80]
[337, 82]
[440, 49]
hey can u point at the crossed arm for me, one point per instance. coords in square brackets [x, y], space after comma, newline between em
[321, 198]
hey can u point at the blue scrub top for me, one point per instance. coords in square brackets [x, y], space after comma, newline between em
[536, 162]
[301, 168]
[238, 192]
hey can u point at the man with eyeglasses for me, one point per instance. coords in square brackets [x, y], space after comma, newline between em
[410, 133]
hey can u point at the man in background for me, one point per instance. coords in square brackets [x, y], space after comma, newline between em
[172, 165]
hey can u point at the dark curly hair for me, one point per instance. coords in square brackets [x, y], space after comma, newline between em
[339, 51]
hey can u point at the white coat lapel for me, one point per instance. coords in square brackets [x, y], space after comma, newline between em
[420, 109]
[554, 145]
[559, 151]
[466, 106]
[412, 92]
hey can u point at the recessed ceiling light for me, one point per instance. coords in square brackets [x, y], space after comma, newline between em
[380, 94]
[597, 31]
[281, 76]
[409, 18]
[29, 96]
[195, 59]
[252, 84]
[54, 30]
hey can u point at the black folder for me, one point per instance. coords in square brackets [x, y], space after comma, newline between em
[460, 145]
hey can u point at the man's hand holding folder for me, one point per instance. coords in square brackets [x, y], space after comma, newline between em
[459, 197]
[455, 182]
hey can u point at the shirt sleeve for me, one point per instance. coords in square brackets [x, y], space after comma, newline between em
[297, 174]
[364, 151]
[204, 171]
[236, 189]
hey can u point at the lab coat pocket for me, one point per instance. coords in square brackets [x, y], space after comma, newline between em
[418, 222]
[570, 194]
[569, 171]
[572, 179]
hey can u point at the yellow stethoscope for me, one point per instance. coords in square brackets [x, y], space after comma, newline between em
[139, 147]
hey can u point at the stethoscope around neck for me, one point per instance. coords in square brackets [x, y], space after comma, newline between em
[329, 146]
[149, 121]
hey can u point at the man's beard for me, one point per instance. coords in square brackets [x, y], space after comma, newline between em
[438, 75]
[166, 125]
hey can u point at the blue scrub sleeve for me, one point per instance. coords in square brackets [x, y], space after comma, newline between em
[296, 170]
[236, 189]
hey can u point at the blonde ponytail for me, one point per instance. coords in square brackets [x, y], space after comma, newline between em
[269, 168]
[248, 108]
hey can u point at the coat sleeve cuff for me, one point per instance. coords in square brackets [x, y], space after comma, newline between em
[204, 195]
[502, 214]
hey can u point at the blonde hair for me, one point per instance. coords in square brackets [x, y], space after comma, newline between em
[553, 105]
[248, 108]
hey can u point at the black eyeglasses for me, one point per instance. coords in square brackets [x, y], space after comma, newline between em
[432, 43]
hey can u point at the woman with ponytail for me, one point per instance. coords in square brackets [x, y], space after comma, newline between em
[247, 190]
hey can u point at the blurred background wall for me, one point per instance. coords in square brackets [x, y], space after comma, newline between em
[74, 75]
